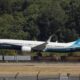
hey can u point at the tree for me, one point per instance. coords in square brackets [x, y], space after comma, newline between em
[73, 13]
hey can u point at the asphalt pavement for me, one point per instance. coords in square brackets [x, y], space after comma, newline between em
[48, 77]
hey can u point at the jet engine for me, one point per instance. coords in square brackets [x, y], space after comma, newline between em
[25, 48]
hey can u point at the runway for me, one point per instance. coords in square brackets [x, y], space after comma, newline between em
[39, 71]
[48, 77]
[43, 68]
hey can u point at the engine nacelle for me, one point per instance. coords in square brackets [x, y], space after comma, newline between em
[25, 48]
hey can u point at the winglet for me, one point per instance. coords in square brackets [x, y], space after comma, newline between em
[49, 38]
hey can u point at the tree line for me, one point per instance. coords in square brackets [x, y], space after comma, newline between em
[38, 19]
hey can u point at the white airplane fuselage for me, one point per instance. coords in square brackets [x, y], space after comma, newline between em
[25, 45]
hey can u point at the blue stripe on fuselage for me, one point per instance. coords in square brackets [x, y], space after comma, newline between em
[63, 50]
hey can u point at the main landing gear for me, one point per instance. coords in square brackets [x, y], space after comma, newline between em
[39, 54]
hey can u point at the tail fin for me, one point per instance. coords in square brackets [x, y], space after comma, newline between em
[77, 42]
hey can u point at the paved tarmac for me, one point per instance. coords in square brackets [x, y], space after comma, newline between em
[46, 77]
[37, 76]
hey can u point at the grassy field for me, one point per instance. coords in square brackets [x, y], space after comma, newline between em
[43, 68]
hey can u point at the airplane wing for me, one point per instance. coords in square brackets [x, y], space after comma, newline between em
[40, 47]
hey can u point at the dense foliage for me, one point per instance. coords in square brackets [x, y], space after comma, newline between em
[38, 19]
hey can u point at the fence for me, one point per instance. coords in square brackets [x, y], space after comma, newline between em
[38, 77]
[15, 58]
[23, 58]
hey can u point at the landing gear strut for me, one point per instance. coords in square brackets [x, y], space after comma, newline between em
[39, 54]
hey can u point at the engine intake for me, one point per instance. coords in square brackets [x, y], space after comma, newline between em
[25, 48]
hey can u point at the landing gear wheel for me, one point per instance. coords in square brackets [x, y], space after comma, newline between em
[39, 54]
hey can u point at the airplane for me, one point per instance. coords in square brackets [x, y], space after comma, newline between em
[40, 46]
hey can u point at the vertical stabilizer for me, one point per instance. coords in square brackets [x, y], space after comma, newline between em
[77, 42]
